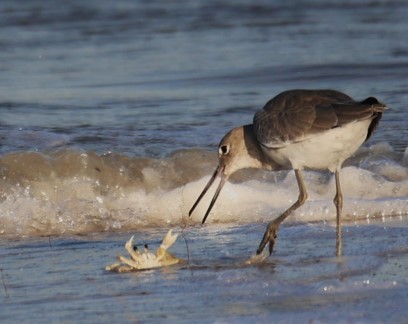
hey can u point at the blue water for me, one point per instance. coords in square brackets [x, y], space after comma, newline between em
[148, 78]
[110, 114]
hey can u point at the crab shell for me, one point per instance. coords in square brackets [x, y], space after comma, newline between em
[146, 259]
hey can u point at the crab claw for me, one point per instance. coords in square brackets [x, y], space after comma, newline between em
[169, 240]
[135, 254]
[129, 244]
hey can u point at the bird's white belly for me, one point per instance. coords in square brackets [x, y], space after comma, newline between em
[326, 150]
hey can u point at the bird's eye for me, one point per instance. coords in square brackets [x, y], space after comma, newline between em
[224, 149]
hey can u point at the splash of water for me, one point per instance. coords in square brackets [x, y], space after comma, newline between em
[66, 192]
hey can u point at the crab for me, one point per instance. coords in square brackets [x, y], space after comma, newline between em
[146, 259]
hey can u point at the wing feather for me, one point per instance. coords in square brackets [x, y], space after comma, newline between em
[294, 115]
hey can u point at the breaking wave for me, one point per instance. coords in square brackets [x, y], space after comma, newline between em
[75, 192]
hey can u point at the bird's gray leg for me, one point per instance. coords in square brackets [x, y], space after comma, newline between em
[338, 202]
[273, 226]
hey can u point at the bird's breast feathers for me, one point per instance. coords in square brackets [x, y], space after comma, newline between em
[325, 150]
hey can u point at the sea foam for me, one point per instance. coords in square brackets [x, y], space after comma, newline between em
[75, 192]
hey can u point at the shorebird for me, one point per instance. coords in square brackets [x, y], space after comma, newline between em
[297, 129]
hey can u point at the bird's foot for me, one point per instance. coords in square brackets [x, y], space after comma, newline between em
[256, 259]
[269, 237]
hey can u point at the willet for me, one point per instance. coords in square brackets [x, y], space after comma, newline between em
[298, 129]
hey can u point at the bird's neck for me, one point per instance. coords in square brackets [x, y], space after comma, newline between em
[255, 152]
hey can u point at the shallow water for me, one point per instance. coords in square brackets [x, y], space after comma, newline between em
[62, 278]
[110, 115]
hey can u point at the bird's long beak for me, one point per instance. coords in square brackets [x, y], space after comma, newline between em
[219, 172]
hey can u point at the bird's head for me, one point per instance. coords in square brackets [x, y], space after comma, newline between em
[239, 149]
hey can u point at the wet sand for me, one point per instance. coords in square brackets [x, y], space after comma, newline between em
[63, 278]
